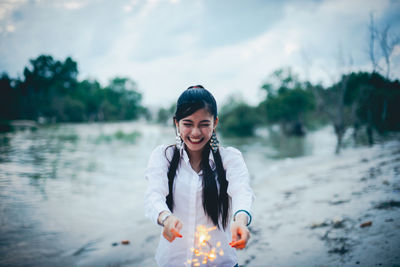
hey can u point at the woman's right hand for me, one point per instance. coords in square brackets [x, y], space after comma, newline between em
[172, 226]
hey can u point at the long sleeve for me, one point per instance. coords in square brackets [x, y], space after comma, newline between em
[239, 181]
[157, 190]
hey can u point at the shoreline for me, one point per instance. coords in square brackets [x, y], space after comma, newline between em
[309, 212]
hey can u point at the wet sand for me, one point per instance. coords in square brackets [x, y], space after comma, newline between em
[328, 211]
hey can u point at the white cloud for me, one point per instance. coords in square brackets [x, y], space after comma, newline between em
[73, 5]
[396, 51]
[8, 6]
[291, 47]
[160, 44]
[244, 66]
[10, 28]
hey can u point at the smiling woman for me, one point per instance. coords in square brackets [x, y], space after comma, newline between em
[196, 184]
[196, 130]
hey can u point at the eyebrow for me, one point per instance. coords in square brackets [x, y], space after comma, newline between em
[187, 120]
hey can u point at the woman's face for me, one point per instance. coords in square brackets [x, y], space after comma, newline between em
[196, 129]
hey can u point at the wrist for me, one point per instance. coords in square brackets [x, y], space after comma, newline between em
[243, 217]
[164, 215]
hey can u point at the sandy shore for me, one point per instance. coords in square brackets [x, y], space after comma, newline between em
[310, 211]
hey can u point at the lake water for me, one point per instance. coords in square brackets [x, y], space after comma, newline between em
[70, 193]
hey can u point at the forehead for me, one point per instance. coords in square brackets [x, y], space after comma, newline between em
[200, 115]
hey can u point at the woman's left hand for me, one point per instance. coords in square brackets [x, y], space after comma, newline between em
[240, 232]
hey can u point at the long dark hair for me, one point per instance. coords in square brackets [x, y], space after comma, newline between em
[215, 203]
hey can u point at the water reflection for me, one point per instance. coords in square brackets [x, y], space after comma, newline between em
[274, 145]
[5, 147]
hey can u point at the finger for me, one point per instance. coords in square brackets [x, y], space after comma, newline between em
[238, 244]
[234, 235]
[240, 247]
[245, 235]
[167, 237]
[178, 225]
[167, 233]
[175, 233]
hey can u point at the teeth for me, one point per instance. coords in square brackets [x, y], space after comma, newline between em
[195, 140]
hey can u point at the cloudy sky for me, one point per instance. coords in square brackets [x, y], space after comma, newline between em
[229, 46]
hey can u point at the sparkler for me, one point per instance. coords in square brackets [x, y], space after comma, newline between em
[203, 249]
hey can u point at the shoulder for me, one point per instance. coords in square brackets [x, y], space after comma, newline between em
[230, 153]
[233, 162]
[163, 152]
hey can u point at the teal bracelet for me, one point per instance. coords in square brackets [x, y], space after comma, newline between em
[248, 214]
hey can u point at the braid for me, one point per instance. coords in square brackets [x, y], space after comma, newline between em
[210, 190]
[223, 198]
[171, 176]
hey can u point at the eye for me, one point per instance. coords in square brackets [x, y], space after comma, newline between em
[187, 124]
[205, 125]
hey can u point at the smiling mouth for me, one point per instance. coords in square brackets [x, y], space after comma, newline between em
[195, 141]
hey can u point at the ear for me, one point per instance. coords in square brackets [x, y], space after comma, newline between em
[176, 123]
[216, 122]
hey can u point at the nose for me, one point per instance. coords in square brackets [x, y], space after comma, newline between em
[196, 131]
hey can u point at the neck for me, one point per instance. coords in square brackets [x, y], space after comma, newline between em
[194, 155]
[195, 158]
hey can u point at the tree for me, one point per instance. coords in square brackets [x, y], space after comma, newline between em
[164, 115]
[46, 80]
[122, 100]
[50, 90]
[90, 92]
[8, 98]
[378, 102]
[238, 118]
[288, 102]
[387, 41]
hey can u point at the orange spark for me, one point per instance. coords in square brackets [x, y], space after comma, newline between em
[203, 247]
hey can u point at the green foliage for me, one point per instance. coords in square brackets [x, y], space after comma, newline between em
[288, 102]
[377, 100]
[119, 136]
[50, 90]
[289, 105]
[238, 119]
[122, 101]
[165, 115]
[8, 99]
[362, 99]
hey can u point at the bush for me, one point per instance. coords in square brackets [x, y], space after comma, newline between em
[238, 119]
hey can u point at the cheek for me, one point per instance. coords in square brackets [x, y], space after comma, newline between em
[184, 131]
[208, 132]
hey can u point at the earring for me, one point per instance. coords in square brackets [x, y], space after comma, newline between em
[214, 143]
[178, 140]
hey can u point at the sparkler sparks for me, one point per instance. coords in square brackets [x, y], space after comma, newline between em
[203, 249]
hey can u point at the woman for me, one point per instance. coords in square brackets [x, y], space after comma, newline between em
[196, 183]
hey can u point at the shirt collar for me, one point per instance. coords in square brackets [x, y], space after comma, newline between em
[185, 156]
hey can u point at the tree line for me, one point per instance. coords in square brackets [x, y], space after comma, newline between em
[49, 91]
[359, 100]
[366, 102]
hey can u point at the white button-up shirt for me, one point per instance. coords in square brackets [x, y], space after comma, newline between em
[188, 204]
